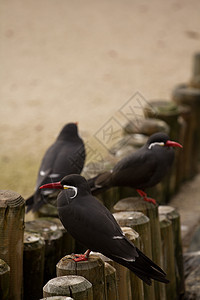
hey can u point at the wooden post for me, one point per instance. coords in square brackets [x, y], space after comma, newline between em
[76, 287]
[129, 286]
[12, 209]
[68, 242]
[147, 126]
[108, 261]
[168, 256]
[57, 298]
[4, 280]
[172, 215]
[195, 80]
[151, 211]
[137, 287]
[140, 223]
[187, 95]
[109, 197]
[53, 244]
[111, 282]
[93, 270]
[48, 210]
[33, 266]
[186, 153]
[123, 281]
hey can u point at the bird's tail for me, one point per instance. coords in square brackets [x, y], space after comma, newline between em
[144, 268]
[100, 183]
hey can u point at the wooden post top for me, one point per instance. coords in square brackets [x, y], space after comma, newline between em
[94, 261]
[130, 233]
[66, 281]
[67, 285]
[133, 204]
[10, 198]
[128, 218]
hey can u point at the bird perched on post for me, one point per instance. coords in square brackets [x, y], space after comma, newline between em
[92, 224]
[142, 169]
[65, 156]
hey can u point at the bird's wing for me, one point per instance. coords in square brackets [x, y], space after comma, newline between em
[61, 159]
[135, 170]
[92, 224]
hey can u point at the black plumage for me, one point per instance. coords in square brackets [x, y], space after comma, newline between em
[92, 224]
[65, 156]
[142, 169]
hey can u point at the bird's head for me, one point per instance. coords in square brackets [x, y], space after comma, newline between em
[69, 130]
[161, 139]
[75, 183]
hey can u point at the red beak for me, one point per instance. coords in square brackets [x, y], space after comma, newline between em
[53, 185]
[173, 144]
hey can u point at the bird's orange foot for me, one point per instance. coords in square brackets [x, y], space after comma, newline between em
[144, 196]
[151, 200]
[82, 257]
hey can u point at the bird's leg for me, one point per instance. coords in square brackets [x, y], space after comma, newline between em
[82, 257]
[144, 196]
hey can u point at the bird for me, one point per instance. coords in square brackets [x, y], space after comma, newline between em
[93, 225]
[140, 170]
[65, 156]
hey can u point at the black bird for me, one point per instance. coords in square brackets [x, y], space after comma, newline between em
[92, 224]
[142, 169]
[66, 156]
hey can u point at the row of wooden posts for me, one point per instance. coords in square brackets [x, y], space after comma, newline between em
[180, 119]
[33, 256]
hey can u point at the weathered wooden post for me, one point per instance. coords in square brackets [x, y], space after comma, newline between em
[33, 266]
[68, 242]
[4, 280]
[12, 209]
[123, 281]
[186, 95]
[111, 279]
[48, 210]
[129, 286]
[53, 244]
[172, 215]
[185, 167]
[112, 291]
[76, 287]
[151, 211]
[189, 94]
[93, 270]
[168, 256]
[195, 80]
[137, 287]
[57, 298]
[147, 126]
[140, 223]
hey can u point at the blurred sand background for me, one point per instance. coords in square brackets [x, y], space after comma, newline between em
[63, 61]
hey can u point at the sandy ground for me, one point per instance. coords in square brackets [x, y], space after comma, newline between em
[81, 61]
